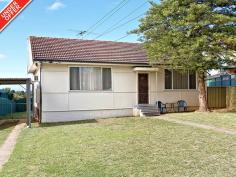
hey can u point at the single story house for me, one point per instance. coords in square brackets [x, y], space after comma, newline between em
[85, 79]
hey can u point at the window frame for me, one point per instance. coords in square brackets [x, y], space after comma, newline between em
[101, 67]
[172, 84]
[165, 79]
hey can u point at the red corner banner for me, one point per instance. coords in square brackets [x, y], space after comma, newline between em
[11, 11]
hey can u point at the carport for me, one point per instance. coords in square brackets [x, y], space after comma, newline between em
[22, 81]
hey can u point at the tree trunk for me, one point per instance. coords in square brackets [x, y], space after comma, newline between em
[202, 93]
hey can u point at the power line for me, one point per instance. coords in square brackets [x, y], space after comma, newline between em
[121, 20]
[123, 24]
[122, 37]
[106, 16]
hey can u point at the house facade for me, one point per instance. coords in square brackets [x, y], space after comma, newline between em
[86, 79]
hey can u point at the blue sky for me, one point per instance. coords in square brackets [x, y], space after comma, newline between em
[55, 18]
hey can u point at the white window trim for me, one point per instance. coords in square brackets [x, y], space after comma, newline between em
[111, 90]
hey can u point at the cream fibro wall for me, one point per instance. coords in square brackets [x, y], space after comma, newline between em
[61, 104]
[172, 96]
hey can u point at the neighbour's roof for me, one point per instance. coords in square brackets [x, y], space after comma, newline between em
[91, 51]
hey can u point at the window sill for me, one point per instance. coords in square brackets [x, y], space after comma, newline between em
[180, 90]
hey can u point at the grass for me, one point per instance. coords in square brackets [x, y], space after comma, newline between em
[16, 115]
[5, 130]
[122, 147]
[224, 120]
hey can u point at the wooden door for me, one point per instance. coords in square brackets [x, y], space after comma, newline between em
[143, 97]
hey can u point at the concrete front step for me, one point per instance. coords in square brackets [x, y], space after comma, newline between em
[150, 114]
[148, 110]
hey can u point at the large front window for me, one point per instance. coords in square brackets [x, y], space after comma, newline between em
[177, 79]
[90, 78]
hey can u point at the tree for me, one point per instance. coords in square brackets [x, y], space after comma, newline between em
[9, 92]
[14, 95]
[194, 35]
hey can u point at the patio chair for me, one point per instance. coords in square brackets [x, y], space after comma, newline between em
[182, 106]
[162, 107]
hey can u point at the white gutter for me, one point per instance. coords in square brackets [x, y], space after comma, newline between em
[94, 63]
[146, 69]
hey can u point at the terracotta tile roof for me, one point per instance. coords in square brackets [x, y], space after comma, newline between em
[77, 50]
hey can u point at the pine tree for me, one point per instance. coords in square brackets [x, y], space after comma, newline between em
[194, 35]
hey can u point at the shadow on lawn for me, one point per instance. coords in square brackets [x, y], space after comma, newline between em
[68, 123]
[8, 124]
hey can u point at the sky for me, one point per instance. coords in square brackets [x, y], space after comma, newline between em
[61, 18]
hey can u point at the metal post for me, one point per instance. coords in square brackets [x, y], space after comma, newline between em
[28, 102]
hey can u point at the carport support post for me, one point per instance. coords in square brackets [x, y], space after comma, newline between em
[28, 102]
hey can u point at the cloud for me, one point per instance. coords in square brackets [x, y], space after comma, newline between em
[2, 56]
[56, 5]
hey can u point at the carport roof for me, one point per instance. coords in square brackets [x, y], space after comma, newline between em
[13, 81]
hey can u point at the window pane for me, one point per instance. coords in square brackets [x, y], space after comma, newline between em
[168, 79]
[180, 80]
[74, 79]
[106, 78]
[192, 80]
[85, 78]
[96, 79]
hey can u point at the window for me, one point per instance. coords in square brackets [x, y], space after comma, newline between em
[106, 78]
[180, 80]
[36, 78]
[177, 79]
[192, 80]
[168, 79]
[90, 78]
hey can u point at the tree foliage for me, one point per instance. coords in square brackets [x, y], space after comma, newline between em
[14, 95]
[191, 34]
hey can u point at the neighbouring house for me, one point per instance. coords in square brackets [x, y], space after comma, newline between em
[85, 79]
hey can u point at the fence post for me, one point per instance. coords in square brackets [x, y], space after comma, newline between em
[28, 102]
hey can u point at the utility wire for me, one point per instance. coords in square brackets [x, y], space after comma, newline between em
[106, 16]
[117, 23]
[123, 24]
[122, 37]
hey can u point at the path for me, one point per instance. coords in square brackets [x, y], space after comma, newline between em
[203, 126]
[9, 144]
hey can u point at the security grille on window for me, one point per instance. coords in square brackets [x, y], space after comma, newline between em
[90, 78]
[175, 79]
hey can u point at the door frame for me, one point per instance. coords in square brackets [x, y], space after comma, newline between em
[137, 87]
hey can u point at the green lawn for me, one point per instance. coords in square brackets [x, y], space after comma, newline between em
[5, 130]
[122, 147]
[225, 120]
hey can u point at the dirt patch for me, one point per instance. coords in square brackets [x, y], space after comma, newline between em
[8, 123]
[203, 126]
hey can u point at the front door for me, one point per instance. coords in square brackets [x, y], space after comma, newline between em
[143, 89]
